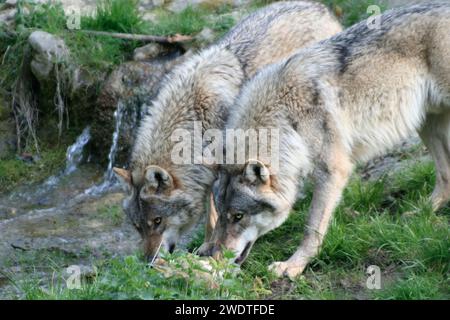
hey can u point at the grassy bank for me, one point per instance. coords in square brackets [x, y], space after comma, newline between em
[95, 56]
[387, 223]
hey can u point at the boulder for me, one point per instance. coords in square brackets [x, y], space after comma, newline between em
[7, 16]
[150, 51]
[48, 50]
[10, 4]
[205, 37]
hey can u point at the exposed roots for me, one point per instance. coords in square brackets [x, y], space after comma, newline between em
[24, 106]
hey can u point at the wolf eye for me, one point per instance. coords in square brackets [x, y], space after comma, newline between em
[238, 216]
[157, 220]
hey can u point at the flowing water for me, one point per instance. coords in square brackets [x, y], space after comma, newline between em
[109, 179]
[75, 151]
[57, 189]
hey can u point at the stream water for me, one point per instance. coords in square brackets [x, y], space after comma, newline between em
[109, 179]
[68, 212]
[78, 181]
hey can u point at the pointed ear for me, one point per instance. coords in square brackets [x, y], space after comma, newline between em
[256, 172]
[123, 175]
[157, 180]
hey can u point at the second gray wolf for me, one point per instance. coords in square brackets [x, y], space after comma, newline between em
[337, 103]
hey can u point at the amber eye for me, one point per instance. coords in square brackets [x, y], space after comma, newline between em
[238, 216]
[157, 220]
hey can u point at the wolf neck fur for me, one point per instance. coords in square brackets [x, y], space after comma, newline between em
[203, 88]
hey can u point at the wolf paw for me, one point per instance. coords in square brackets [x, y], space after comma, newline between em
[287, 269]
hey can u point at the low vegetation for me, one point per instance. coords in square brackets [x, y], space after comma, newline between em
[387, 223]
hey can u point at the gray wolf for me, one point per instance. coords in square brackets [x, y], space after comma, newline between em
[167, 199]
[337, 103]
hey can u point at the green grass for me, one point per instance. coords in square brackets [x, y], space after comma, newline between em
[15, 172]
[388, 223]
[130, 278]
[348, 11]
[118, 15]
[353, 11]
[112, 213]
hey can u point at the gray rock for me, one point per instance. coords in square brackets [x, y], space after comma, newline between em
[10, 4]
[149, 52]
[7, 16]
[134, 84]
[150, 17]
[179, 5]
[206, 36]
[158, 3]
[48, 50]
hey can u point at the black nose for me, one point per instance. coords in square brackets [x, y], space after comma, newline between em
[172, 248]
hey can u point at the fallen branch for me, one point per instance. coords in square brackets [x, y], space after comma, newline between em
[140, 37]
[18, 247]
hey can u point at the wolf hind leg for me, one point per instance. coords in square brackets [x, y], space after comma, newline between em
[435, 134]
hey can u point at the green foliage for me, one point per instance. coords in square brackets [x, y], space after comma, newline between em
[402, 236]
[14, 172]
[49, 17]
[353, 11]
[182, 277]
[111, 213]
[115, 15]
[418, 287]
[190, 21]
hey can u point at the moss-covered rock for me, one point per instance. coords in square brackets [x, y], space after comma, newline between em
[133, 85]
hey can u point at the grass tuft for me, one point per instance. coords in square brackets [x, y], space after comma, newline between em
[115, 15]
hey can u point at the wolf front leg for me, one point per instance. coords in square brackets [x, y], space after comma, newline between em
[211, 220]
[331, 180]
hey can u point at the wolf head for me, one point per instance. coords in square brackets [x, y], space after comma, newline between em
[249, 206]
[159, 210]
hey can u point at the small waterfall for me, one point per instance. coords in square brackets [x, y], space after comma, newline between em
[109, 179]
[74, 153]
[74, 156]
[118, 116]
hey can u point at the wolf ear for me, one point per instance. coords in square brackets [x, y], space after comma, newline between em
[157, 180]
[256, 171]
[123, 175]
